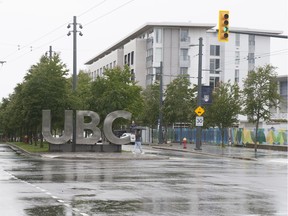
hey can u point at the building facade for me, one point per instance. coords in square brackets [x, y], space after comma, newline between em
[176, 45]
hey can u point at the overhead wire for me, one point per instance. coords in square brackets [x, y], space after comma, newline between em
[61, 26]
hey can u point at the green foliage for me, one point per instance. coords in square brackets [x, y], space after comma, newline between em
[115, 91]
[179, 101]
[44, 88]
[151, 103]
[260, 94]
[79, 99]
[33, 148]
[225, 108]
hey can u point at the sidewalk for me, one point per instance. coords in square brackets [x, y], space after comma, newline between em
[227, 151]
[150, 149]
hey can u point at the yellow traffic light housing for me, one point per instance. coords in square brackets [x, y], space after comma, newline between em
[223, 26]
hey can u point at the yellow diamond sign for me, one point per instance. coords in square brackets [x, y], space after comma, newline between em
[199, 111]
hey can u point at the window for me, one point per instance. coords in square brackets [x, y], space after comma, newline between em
[125, 59]
[214, 50]
[149, 52]
[158, 54]
[214, 66]
[237, 57]
[237, 39]
[158, 35]
[184, 35]
[214, 81]
[283, 88]
[183, 70]
[132, 75]
[132, 57]
[184, 54]
[128, 60]
[237, 76]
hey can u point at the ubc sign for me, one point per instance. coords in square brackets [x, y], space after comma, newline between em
[81, 126]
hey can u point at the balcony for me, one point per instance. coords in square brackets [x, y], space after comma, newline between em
[184, 61]
[185, 42]
[149, 44]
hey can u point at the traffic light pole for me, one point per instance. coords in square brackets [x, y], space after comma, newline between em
[199, 102]
[160, 134]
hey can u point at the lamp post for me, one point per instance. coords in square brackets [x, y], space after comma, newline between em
[74, 31]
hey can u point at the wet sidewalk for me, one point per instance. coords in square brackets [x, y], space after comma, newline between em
[227, 151]
[242, 153]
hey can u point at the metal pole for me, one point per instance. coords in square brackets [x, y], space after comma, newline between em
[160, 134]
[50, 52]
[74, 79]
[199, 128]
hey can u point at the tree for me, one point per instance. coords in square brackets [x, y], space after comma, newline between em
[151, 104]
[225, 107]
[12, 115]
[179, 101]
[79, 100]
[116, 91]
[44, 87]
[260, 94]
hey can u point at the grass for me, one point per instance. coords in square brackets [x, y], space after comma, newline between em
[32, 148]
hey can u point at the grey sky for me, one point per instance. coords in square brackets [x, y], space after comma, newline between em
[29, 27]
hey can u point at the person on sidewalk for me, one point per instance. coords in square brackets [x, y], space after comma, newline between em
[138, 141]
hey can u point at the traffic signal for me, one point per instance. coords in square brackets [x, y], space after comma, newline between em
[223, 26]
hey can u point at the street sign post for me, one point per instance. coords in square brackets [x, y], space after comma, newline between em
[199, 121]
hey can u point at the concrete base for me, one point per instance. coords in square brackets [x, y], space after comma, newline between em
[85, 148]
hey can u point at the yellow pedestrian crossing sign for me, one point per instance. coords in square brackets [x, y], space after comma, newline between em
[199, 111]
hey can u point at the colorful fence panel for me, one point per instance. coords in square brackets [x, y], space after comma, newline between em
[238, 136]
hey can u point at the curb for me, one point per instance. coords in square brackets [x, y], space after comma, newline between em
[92, 156]
[19, 150]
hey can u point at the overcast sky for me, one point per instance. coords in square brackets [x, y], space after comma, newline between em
[29, 27]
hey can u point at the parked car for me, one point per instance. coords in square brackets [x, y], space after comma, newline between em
[132, 137]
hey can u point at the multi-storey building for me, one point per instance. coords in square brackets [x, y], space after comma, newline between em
[176, 46]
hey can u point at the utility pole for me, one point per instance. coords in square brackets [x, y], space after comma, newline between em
[199, 102]
[74, 31]
[160, 134]
[50, 52]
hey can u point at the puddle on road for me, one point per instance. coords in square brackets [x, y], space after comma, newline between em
[110, 207]
[56, 210]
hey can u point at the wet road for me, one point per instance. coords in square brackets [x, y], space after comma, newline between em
[184, 184]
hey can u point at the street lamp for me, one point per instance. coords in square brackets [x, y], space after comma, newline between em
[74, 31]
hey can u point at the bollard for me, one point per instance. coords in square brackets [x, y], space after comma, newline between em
[184, 143]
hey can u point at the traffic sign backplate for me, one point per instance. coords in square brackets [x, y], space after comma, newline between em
[199, 111]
